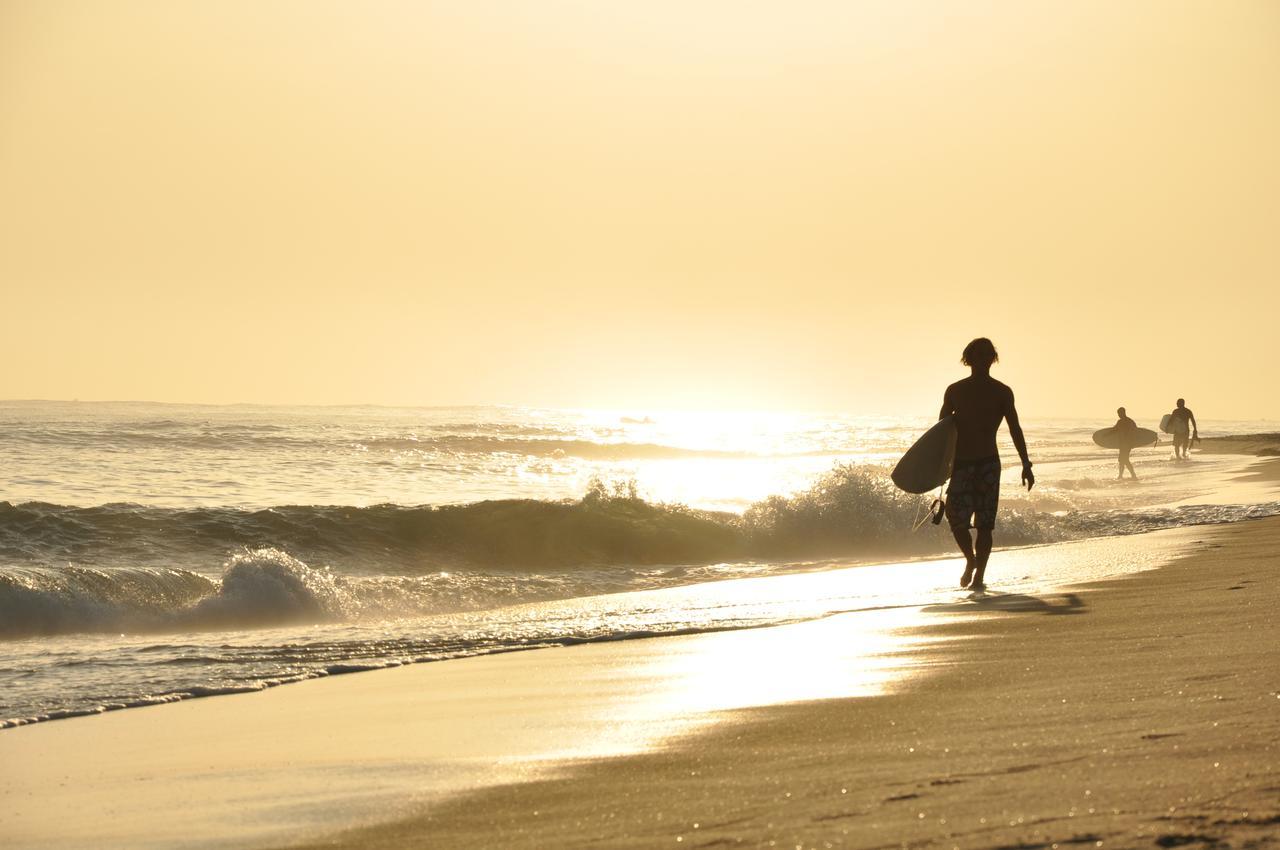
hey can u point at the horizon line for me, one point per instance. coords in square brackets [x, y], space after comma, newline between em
[516, 406]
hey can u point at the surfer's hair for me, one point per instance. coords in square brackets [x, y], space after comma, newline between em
[981, 352]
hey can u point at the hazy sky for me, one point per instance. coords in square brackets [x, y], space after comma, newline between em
[692, 203]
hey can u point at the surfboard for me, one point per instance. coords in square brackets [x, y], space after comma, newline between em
[928, 462]
[1180, 426]
[1109, 438]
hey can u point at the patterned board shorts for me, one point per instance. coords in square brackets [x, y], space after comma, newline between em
[974, 492]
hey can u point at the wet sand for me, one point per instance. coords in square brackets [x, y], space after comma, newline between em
[1262, 445]
[1267, 471]
[1146, 714]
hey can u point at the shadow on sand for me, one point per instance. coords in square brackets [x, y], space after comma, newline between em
[1014, 603]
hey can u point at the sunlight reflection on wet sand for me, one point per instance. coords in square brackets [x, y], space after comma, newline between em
[682, 684]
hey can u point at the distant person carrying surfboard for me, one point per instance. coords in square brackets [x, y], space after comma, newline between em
[1182, 424]
[1126, 433]
[978, 404]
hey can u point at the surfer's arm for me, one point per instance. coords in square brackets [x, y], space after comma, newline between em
[948, 407]
[1195, 429]
[1019, 443]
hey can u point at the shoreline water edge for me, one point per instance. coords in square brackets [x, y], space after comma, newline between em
[468, 752]
[127, 604]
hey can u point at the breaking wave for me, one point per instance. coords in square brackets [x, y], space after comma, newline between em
[512, 533]
[138, 568]
[263, 588]
[850, 511]
[39, 600]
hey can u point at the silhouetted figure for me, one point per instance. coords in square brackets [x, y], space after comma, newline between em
[1126, 428]
[1183, 424]
[979, 404]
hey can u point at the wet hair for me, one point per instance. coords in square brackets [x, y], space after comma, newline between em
[981, 353]
[1181, 402]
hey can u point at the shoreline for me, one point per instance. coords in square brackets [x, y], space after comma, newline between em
[1262, 472]
[1099, 729]
[429, 749]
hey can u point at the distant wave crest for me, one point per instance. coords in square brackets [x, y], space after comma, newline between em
[474, 440]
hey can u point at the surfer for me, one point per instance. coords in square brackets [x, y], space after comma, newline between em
[979, 403]
[1125, 432]
[1182, 421]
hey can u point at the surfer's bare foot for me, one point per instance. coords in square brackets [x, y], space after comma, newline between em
[968, 574]
[978, 587]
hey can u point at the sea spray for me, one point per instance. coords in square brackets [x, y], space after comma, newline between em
[269, 587]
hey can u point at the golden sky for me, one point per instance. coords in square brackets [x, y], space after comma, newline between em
[659, 203]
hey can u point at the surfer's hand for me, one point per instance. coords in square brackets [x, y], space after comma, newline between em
[1028, 477]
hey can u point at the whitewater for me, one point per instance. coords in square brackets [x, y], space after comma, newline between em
[151, 553]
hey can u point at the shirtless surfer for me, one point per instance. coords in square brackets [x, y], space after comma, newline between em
[1183, 424]
[979, 403]
[1125, 430]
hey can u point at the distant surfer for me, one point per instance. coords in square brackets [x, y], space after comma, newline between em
[1126, 433]
[1182, 422]
[979, 403]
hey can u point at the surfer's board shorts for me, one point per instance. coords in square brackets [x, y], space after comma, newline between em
[974, 494]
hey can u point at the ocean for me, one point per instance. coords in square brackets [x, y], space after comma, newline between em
[152, 552]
